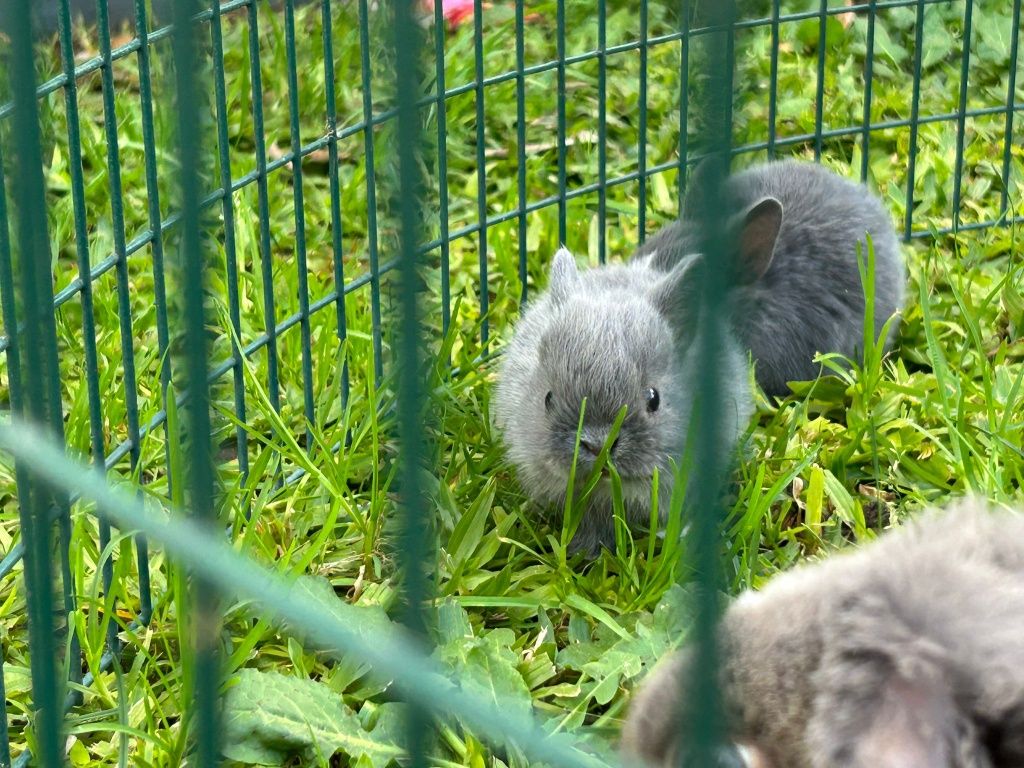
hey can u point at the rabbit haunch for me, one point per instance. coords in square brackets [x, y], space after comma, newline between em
[797, 286]
[905, 653]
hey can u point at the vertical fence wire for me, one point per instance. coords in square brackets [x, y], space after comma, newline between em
[704, 724]
[961, 117]
[334, 183]
[298, 200]
[263, 206]
[684, 101]
[560, 117]
[10, 321]
[38, 352]
[773, 80]
[92, 375]
[441, 104]
[869, 62]
[191, 263]
[520, 146]
[5, 739]
[819, 94]
[915, 109]
[602, 131]
[1011, 98]
[124, 300]
[414, 536]
[481, 171]
[641, 197]
[159, 275]
[371, 189]
[230, 255]
[73, 653]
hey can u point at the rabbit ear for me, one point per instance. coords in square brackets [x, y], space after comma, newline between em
[564, 275]
[676, 295]
[756, 231]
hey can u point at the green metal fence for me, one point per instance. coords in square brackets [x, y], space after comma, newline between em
[183, 362]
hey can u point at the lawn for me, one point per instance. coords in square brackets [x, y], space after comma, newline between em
[825, 468]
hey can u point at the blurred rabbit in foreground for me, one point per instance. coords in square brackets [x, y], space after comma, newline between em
[906, 653]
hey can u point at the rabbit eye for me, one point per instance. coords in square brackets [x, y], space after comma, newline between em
[653, 399]
[547, 401]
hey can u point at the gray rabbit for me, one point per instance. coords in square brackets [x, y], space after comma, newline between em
[624, 334]
[906, 653]
[797, 285]
[617, 335]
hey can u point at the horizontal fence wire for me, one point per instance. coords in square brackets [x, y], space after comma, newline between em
[184, 222]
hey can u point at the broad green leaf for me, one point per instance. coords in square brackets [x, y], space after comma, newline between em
[453, 627]
[579, 653]
[605, 690]
[78, 755]
[17, 680]
[269, 717]
[389, 722]
[485, 665]
[992, 37]
[937, 42]
[491, 673]
[653, 636]
[808, 32]
[884, 45]
[840, 497]
[369, 620]
[592, 609]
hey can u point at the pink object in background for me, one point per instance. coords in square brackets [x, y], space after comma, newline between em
[454, 11]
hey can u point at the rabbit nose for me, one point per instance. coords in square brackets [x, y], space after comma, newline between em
[593, 447]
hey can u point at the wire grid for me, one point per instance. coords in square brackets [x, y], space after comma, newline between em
[29, 343]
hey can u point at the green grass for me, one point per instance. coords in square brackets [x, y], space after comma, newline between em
[940, 416]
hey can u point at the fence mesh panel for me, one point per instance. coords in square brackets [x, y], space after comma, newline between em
[229, 240]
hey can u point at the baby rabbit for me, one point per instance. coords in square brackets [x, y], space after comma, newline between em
[616, 335]
[907, 653]
[797, 286]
